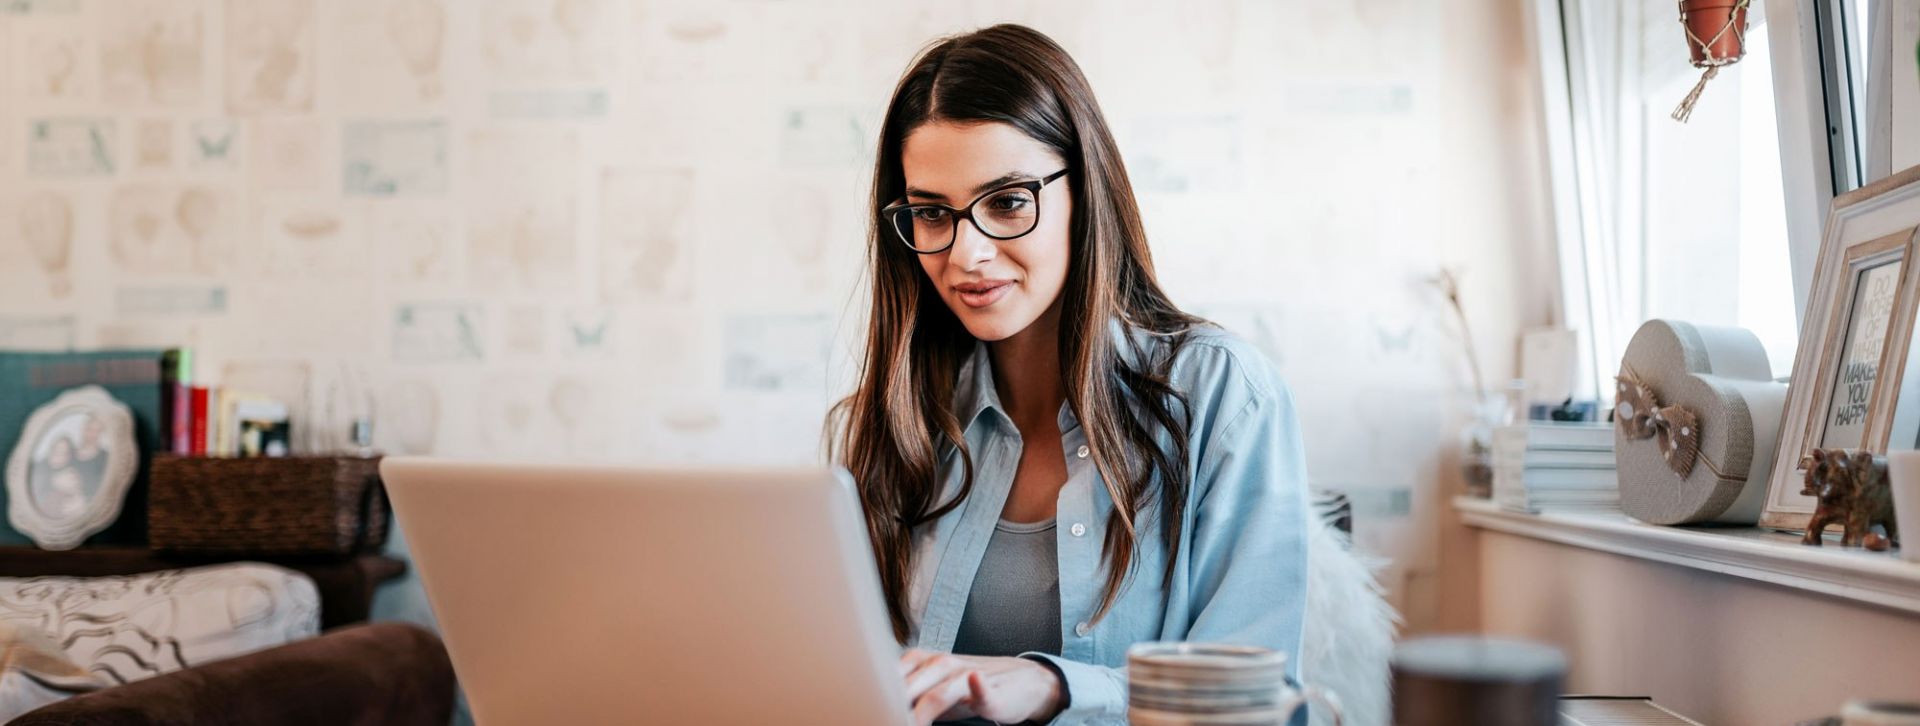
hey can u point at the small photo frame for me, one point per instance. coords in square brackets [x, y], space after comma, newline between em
[71, 468]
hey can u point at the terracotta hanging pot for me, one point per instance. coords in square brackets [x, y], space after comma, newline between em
[1716, 30]
[1716, 34]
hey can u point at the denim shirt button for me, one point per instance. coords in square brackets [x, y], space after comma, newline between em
[1078, 530]
[1082, 629]
[1082, 451]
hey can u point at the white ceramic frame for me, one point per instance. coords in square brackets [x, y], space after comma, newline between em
[1865, 227]
[123, 462]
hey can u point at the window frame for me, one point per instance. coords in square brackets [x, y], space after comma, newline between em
[1804, 100]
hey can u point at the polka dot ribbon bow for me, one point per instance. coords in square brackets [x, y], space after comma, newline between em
[1640, 415]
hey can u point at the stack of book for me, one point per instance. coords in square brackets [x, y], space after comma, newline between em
[210, 420]
[1553, 465]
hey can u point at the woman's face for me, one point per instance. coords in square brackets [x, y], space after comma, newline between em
[996, 287]
[60, 454]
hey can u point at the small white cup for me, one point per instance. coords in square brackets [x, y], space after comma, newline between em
[1175, 683]
[1880, 713]
[1903, 478]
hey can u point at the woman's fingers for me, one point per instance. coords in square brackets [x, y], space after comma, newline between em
[977, 689]
[929, 672]
[913, 658]
[942, 697]
[985, 697]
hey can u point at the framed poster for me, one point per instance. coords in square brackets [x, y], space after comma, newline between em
[1853, 355]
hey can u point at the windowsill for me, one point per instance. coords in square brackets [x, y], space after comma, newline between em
[1879, 578]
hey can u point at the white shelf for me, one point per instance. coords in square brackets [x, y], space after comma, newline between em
[1880, 578]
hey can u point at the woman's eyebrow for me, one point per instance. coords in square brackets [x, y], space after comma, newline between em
[1007, 178]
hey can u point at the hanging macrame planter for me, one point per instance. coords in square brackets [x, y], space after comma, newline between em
[1716, 36]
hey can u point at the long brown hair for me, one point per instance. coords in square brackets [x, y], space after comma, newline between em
[889, 431]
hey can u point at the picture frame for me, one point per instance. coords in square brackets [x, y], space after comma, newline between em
[70, 470]
[1854, 343]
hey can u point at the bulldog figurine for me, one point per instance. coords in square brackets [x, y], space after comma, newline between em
[1851, 488]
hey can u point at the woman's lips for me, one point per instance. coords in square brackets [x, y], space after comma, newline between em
[982, 294]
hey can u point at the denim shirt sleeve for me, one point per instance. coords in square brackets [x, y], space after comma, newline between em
[1247, 573]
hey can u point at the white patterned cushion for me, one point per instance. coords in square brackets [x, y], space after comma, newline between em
[126, 628]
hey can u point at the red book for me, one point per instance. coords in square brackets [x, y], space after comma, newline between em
[182, 442]
[199, 421]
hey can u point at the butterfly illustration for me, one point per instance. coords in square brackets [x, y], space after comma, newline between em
[212, 148]
[590, 337]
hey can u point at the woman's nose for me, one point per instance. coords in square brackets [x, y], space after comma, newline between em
[971, 248]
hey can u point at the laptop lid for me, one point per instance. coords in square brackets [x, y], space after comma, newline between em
[573, 594]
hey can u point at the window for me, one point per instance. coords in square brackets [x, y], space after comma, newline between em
[1715, 233]
[1872, 87]
[1716, 221]
[1852, 19]
[1683, 221]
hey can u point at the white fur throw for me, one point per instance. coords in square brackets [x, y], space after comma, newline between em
[1350, 630]
[35, 671]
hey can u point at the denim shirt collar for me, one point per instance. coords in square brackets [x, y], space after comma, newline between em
[974, 393]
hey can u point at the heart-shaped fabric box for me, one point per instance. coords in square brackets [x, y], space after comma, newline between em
[1721, 374]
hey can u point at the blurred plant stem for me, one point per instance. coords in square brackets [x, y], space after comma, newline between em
[1449, 283]
[1476, 466]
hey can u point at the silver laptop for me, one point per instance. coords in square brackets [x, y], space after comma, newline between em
[573, 594]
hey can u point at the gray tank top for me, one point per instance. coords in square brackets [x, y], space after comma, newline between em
[1014, 607]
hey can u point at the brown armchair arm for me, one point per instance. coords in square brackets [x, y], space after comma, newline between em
[385, 673]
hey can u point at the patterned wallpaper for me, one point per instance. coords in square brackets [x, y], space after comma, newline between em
[631, 229]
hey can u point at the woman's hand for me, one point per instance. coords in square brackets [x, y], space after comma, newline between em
[944, 686]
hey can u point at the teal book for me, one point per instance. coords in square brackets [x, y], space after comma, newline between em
[29, 380]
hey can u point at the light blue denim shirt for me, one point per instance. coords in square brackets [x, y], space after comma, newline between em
[1240, 571]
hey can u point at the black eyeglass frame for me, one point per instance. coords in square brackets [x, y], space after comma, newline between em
[1033, 186]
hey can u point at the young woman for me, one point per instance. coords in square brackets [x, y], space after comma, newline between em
[1055, 462]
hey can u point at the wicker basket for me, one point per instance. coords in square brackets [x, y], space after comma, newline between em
[266, 506]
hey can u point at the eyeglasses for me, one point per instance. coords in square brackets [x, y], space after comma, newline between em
[1012, 211]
